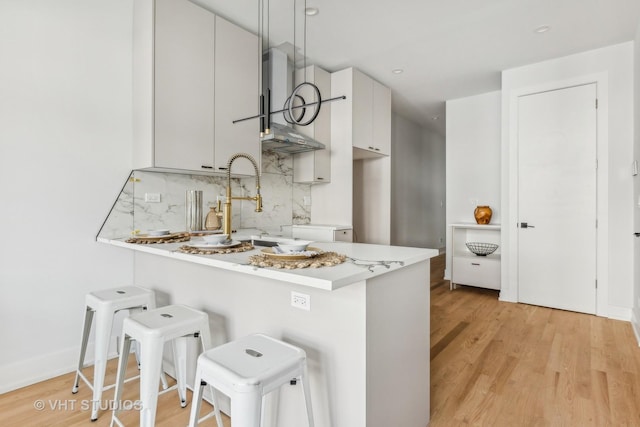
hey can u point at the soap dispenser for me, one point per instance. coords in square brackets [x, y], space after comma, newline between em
[213, 221]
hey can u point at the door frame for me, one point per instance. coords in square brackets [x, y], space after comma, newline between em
[509, 291]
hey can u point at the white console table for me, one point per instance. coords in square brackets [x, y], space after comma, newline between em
[470, 269]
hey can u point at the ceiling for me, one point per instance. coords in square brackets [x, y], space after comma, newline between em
[448, 49]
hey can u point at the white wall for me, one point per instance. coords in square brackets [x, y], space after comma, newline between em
[473, 159]
[417, 185]
[613, 66]
[636, 186]
[65, 148]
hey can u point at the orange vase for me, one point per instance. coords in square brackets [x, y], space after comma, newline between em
[483, 214]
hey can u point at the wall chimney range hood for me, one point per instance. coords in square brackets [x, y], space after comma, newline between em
[283, 138]
[276, 74]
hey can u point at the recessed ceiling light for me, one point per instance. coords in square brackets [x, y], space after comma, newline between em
[542, 29]
[397, 71]
[311, 11]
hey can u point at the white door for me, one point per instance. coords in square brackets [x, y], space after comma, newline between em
[557, 199]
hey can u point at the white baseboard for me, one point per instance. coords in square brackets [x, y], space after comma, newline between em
[635, 324]
[45, 366]
[620, 313]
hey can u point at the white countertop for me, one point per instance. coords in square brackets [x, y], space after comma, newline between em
[367, 261]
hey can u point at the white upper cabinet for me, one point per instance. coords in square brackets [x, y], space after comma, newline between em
[194, 73]
[371, 116]
[315, 166]
[381, 118]
[184, 86]
[236, 96]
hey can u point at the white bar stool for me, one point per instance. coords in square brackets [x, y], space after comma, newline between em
[151, 329]
[104, 305]
[246, 370]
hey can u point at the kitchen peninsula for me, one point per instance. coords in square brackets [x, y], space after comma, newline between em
[366, 330]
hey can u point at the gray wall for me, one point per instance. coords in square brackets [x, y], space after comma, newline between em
[417, 185]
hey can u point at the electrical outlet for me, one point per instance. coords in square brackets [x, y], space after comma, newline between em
[152, 197]
[306, 200]
[301, 301]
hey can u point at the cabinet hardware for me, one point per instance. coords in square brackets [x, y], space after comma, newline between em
[206, 167]
[319, 178]
[474, 263]
[526, 225]
[222, 168]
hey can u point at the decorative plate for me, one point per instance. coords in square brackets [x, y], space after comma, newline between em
[230, 244]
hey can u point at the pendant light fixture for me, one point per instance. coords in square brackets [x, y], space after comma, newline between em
[295, 107]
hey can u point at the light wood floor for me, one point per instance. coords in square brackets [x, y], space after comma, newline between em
[51, 403]
[492, 364]
[504, 364]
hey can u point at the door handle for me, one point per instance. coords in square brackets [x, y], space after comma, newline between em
[526, 225]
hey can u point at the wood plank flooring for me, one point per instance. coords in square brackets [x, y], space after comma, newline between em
[492, 364]
[51, 404]
[503, 364]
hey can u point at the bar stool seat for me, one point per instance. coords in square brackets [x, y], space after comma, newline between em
[151, 329]
[103, 305]
[246, 370]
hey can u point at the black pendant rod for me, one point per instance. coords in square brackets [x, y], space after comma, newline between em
[337, 98]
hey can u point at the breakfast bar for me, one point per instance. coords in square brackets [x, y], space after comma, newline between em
[364, 324]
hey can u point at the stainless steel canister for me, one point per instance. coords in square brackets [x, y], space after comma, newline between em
[193, 208]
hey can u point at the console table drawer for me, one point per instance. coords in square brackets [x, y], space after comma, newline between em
[478, 271]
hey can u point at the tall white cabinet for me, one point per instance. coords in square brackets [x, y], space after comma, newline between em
[194, 73]
[360, 162]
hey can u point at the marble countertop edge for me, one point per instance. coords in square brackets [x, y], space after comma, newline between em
[366, 261]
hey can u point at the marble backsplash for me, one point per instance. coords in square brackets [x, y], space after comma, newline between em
[283, 201]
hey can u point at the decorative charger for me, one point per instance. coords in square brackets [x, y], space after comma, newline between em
[145, 239]
[481, 248]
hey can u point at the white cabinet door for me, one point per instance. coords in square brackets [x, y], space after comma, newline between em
[236, 96]
[343, 236]
[183, 86]
[315, 166]
[362, 104]
[381, 118]
[371, 116]
[479, 271]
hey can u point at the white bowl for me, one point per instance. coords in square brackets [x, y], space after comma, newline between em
[291, 246]
[161, 232]
[215, 239]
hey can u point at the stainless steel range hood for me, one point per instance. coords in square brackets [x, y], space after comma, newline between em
[283, 138]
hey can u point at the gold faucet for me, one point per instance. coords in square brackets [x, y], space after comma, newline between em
[226, 213]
